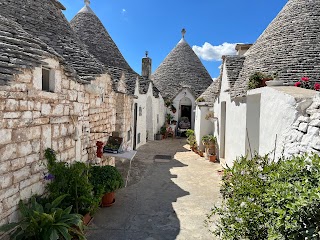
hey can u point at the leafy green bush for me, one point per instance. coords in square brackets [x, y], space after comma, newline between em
[73, 180]
[45, 222]
[263, 199]
[189, 133]
[105, 179]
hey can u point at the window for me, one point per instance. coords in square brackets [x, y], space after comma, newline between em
[48, 80]
[129, 136]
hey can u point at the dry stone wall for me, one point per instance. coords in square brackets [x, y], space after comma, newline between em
[69, 120]
[304, 136]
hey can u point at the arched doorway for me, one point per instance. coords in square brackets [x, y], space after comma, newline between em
[186, 109]
[149, 119]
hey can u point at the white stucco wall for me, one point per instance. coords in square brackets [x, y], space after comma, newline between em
[158, 111]
[278, 110]
[235, 131]
[202, 126]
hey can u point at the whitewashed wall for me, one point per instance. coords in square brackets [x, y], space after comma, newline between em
[202, 126]
[235, 134]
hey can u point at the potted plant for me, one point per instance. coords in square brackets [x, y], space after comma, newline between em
[158, 136]
[212, 158]
[209, 142]
[169, 118]
[72, 180]
[258, 79]
[163, 131]
[168, 103]
[106, 179]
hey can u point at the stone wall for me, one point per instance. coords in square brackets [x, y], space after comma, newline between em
[304, 136]
[70, 120]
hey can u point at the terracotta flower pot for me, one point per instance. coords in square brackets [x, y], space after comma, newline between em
[200, 153]
[108, 199]
[87, 219]
[212, 158]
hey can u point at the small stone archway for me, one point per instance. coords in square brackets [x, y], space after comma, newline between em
[149, 120]
[186, 109]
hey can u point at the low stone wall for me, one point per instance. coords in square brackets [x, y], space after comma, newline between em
[304, 135]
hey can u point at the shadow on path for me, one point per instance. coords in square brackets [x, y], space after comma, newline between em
[144, 210]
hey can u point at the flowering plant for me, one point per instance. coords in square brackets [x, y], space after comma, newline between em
[305, 83]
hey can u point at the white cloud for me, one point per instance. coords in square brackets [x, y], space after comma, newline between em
[124, 10]
[209, 52]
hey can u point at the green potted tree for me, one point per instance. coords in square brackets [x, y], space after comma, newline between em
[209, 142]
[106, 179]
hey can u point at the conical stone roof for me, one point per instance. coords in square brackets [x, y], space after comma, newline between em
[91, 31]
[290, 46]
[94, 35]
[45, 21]
[181, 68]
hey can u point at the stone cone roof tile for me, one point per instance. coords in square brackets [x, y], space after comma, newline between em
[181, 68]
[212, 92]
[290, 46]
[91, 31]
[19, 50]
[45, 21]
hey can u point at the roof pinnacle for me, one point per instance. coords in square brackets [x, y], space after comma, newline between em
[87, 2]
[183, 31]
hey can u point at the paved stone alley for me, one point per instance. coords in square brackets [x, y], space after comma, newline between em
[164, 199]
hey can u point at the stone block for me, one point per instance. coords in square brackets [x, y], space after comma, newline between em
[5, 136]
[11, 115]
[303, 127]
[21, 174]
[23, 105]
[46, 109]
[26, 134]
[5, 167]
[18, 95]
[304, 119]
[17, 164]
[32, 158]
[6, 180]
[46, 136]
[59, 120]
[37, 167]
[12, 105]
[8, 151]
[316, 143]
[11, 201]
[58, 110]
[24, 149]
[36, 146]
[36, 188]
[41, 121]
[27, 115]
[26, 77]
[315, 123]
[37, 106]
[17, 87]
[31, 106]
[55, 131]
[5, 193]
[77, 108]
[31, 180]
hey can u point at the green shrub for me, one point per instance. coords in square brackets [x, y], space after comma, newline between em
[263, 199]
[45, 222]
[73, 180]
[189, 133]
[105, 179]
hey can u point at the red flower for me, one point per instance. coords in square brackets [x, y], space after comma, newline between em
[316, 86]
[305, 79]
[297, 84]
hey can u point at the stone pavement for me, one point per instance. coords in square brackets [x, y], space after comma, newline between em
[166, 199]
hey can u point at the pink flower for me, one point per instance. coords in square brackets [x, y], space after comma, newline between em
[316, 86]
[297, 84]
[305, 79]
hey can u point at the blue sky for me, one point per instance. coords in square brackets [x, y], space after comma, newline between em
[213, 27]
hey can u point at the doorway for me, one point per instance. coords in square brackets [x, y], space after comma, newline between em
[135, 119]
[223, 130]
[186, 111]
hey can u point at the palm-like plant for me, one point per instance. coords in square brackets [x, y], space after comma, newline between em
[45, 222]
